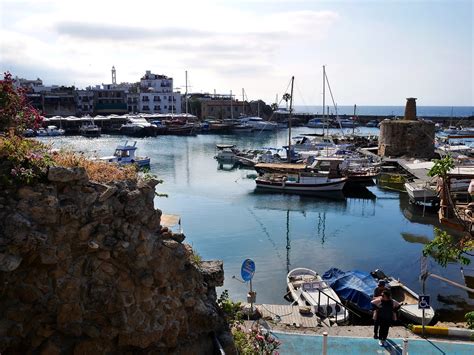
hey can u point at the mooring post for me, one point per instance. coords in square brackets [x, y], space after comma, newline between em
[405, 346]
[325, 343]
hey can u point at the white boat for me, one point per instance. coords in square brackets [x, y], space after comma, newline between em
[421, 192]
[407, 298]
[226, 153]
[90, 130]
[125, 154]
[316, 123]
[50, 131]
[299, 182]
[259, 124]
[307, 288]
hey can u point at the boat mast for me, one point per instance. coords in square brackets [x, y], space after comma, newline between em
[231, 112]
[289, 120]
[243, 102]
[324, 100]
[353, 119]
[186, 94]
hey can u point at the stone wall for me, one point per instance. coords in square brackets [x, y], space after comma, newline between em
[86, 268]
[411, 139]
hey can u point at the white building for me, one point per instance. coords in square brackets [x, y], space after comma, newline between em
[157, 96]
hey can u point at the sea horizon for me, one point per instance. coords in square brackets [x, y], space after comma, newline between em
[439, 111]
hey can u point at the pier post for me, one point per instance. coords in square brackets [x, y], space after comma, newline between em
[405, 346]
[325, 343]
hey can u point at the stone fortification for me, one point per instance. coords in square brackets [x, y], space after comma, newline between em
[86, 268]
[409, 137]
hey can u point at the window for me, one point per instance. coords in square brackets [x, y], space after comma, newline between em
[157, 108]
[146, 108]
[145, 98]
[156, 98]
[166, 106]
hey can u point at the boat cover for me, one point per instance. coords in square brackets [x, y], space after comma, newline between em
[355, 286]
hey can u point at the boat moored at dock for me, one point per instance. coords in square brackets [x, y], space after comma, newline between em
[307, 288]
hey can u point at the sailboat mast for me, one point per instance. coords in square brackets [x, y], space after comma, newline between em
[243, 102]
[324, 99]
[186, 94]
[353, 119]
[231, 111]
[289, 119]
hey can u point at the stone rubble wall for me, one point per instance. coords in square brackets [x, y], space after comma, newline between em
[86, 268]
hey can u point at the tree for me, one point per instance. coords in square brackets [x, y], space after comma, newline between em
[446, 248]
[16, 114]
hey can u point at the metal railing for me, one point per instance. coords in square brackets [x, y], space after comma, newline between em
[342, 306]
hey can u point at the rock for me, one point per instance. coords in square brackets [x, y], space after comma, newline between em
[60, 174]
[9, 262]
[93, 245]
[213, 272]
[107, 193]
[179, 237]
[69, 312]
[170, 243]
[50, 348]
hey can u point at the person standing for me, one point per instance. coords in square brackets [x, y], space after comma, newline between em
[386, 309]
[377, 293]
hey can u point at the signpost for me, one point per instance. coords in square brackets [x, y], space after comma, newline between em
[247, 271]
[423, 299]
[423, 303]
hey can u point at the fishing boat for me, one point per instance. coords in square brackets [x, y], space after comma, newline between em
[355, 289]
[407, 298]
[307, 288]
[90, 130]
[125, 154]
[299, 182]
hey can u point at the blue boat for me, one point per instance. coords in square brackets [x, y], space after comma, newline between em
[353, 287]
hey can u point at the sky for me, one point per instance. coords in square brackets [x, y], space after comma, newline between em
[375, 52]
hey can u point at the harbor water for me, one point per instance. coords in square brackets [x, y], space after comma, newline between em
[225, 218]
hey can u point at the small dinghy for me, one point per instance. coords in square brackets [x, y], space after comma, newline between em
[307, 288]
[407, 298]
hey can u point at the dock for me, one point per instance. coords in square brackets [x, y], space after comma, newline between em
[289, 315]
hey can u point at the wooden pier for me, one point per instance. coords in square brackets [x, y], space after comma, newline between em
[289, 315]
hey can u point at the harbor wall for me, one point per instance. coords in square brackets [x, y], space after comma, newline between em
[86, 268]
[413, 139]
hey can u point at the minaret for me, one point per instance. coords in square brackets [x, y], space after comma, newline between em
[114, 76]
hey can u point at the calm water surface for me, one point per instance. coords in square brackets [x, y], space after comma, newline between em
[224, 218]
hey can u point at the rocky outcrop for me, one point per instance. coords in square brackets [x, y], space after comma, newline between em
[86, 268]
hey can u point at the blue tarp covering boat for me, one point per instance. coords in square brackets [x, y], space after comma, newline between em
[355, 287]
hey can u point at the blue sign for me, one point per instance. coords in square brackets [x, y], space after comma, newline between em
[247, 270]
[424, 302]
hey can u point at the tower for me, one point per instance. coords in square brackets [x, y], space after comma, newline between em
[114, 76]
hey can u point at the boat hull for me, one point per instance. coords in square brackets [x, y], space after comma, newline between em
[291, 187]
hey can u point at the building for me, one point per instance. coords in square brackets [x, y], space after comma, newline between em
[221, 107]
[157, 96]
[59, 101]
[110, 99]
[84, 102]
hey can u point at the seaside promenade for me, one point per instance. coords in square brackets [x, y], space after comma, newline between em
[313, 344]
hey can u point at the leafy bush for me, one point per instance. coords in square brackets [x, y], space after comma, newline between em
[22, 160]
[470, 319]
[441, 167]
[445, 248]
[232, 310]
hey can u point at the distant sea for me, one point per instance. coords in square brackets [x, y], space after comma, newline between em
[446, 111]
